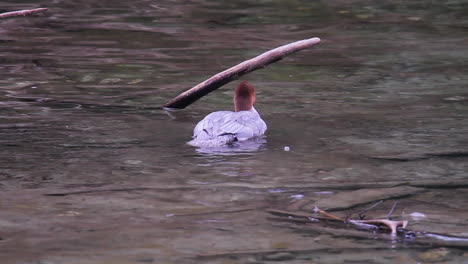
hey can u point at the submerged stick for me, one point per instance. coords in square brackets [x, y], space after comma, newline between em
[322, 212]
[23, 12]
[188, 97]
[390, 224]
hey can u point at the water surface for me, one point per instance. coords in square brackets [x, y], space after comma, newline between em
[80, 91]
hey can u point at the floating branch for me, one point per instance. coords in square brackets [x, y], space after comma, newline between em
[188, 97]
[23, 12]
[432, 240]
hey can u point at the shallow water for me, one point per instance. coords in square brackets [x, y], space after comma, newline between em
[382, 101]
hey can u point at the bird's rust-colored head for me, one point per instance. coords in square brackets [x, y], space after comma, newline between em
[244, 97]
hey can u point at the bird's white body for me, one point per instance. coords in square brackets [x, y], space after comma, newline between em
[226, 127]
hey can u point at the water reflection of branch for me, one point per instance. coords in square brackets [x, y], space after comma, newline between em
[188, 97]
[23, 12]
[423, 156]
[272, 254]
[440, 184]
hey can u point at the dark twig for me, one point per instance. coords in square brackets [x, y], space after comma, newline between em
[392, 210]
[23, 12]
[361, 213]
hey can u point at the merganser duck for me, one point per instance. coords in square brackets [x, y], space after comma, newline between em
[226, 127]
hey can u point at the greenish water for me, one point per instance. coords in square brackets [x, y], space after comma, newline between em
[378, 102]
